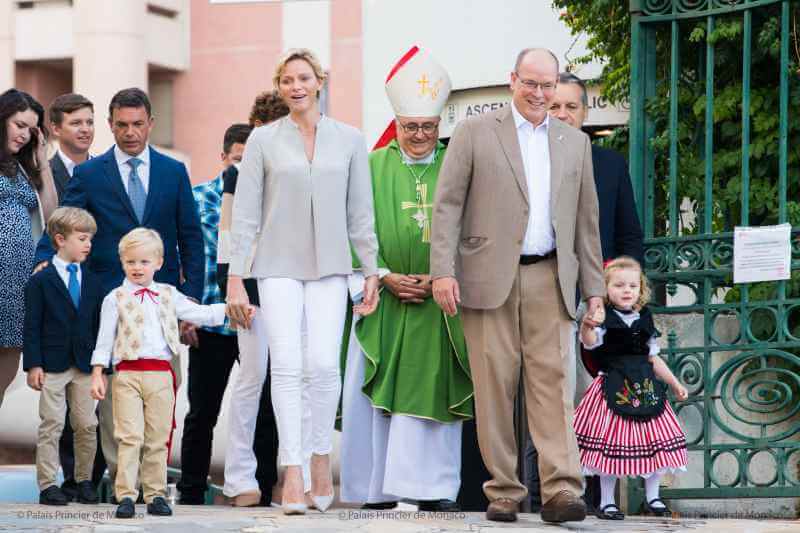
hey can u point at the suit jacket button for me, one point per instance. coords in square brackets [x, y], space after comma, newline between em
[519, 241]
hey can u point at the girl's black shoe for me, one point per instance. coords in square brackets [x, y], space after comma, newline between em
[610, 512]
[658, 510]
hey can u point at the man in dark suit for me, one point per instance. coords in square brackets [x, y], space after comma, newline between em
[620, 231]
[72, 123]
[133, 185]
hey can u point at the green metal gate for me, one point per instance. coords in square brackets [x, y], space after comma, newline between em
[734, 347]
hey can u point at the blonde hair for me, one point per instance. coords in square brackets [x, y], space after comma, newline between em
[66, 220]
[298, 53]
[624, 262]
[142, 237]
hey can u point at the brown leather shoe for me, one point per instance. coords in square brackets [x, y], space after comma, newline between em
[564, 507]
[502, 510]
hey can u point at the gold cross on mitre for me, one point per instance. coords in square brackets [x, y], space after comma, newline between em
[421, 215]
[423, 84]
[427, 88]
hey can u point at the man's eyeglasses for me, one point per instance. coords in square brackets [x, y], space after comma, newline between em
[545, 86]
[428, 128]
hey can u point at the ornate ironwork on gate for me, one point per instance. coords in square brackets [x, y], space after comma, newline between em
[735, 347]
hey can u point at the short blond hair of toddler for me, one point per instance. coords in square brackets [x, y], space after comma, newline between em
[142, 237]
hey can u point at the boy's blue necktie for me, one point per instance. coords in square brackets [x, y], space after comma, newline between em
[73, 285]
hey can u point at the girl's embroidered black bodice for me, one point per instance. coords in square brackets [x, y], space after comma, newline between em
[622, 340]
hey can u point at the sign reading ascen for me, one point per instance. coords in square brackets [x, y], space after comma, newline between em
[466, 103]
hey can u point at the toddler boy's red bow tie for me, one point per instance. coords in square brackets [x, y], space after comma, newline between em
[145, 291]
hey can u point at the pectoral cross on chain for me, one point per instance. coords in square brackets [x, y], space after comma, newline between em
[421, 215]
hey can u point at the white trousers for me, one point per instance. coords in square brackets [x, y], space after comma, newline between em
[390, 458]
[245, 399]
[285, 303]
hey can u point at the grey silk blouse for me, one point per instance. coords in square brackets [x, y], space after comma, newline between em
[308, 214]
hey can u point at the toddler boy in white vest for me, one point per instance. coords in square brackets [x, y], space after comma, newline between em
[139, 336]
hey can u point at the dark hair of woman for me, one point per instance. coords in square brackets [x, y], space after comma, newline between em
[11, 102]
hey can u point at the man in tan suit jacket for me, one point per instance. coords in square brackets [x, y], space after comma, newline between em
[515, 228]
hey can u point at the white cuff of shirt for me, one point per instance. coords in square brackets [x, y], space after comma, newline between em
[218, 314]
[600, 332]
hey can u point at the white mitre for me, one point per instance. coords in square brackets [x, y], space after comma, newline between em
[418, 86]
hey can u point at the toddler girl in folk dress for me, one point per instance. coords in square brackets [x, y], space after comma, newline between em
[624, 424]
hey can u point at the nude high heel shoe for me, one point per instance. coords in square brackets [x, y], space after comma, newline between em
[323, 503]
[247, 499]
[293, 508]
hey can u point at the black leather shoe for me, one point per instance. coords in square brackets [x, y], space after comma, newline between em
[438, 506]
[126, 508]
[379, 506]
[159, 507]
[86, 492]
[70, 489]
[52, 495]
[192, 498]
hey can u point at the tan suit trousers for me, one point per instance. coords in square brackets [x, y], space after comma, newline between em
[531, 332]
[75, 386]
[106, 414]
[143, 404]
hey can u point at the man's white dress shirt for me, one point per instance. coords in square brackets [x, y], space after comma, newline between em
[533, 143]
[142, 170]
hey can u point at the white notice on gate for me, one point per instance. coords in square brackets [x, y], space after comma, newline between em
[762, 253]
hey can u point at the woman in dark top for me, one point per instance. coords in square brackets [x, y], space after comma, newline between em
[27, 198]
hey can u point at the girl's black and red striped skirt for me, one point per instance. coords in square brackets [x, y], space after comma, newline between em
[610, 444]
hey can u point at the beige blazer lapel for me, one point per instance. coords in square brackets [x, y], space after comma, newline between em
[507, 133]
[556, 144]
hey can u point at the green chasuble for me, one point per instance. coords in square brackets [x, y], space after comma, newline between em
[416, 356]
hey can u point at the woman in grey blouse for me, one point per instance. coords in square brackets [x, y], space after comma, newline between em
[304, 183]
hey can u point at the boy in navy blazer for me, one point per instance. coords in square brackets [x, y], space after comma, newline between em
[62, 318]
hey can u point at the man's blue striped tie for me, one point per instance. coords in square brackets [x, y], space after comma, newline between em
[136, 191]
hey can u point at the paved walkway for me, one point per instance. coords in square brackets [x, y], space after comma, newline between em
[200, 519]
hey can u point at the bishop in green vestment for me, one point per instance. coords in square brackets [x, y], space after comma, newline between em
[407, 382]
[416, 357]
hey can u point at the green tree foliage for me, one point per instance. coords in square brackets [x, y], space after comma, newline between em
[607, 24]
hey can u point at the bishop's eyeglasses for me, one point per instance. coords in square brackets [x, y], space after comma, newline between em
[412, 127]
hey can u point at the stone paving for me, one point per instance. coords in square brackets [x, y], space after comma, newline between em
[199, 519]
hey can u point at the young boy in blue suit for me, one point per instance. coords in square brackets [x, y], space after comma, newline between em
[62, 317]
